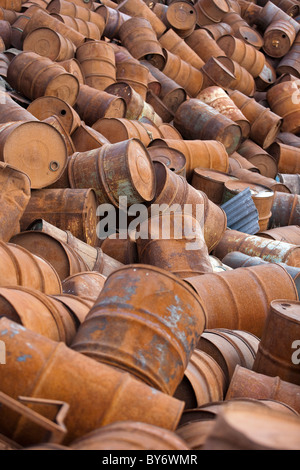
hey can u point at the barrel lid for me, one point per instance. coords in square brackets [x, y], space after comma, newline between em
[141, 170]
[172, 158]
[181, 15]
[287, 308]
[65, 86]
[39, 150]
[43, 41]
[47, 106]
[251, 36]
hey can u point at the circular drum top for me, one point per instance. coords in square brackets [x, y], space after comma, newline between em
[47, 106]
[172, 158]
[251, 36]
[43, 41]
[39, 150]
[287, 308]
[141, 170]
[64, 86]
[181, 15]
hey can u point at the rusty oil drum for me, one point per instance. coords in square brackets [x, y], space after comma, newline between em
[56, 372]
[49, 43]
[197, 120]
[161, 362]
[263, 283]
[285, 210]
[248, 383]
[92, 104]
[279, 339]
[68, 209]
[34, 76]
[22, 268]
[175, 243]
[284, 101]
[203, 44]
[86, 285]
[121, 169]
[175, 44]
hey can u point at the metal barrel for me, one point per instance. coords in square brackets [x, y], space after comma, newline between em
[56, 372]
[49, 43]
[251, 384]
[218, 71]
[38, 162]
[203, 44]
[113, 19]
[266, 163]
[284, 101]
[34, 76]
[171, 157]
[121, 169]
[198, 153]
[77, 11]
[289, 234]
[217, 98]
[141, 41]
[175, 243]
[120, 129]
[211, 182]
[291, 181]
[229, 349]
[197, 120]
[58, 254]
[120, 248]
[93, 257]
[88, 29]
[15, 195]
[85, 285]
[22, 268]
[97, 62]
[287, 157]
[46, 106]
[265, 124]
[279, 38]
[252, 177]
[203, 381]
[135, 74]
[210, 12]
[264, 284]
[273, 251]
[162, 363]
[274, 356]
[68, 209]
[285, 210]
[175, 44]
[128, 436]
[92, 104]
[138, 8]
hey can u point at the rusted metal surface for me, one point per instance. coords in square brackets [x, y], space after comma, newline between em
[121, 169]
[121, 129]
[93, 257]
[14, 196]
[219, 100]
[245, 54]
[21, 268]
[35, 76]
[211, 12]
[138, 8]
[113, 19]
[120, 248]
[97, 62]
[183, 251]
[86, 285]
[197, 120]
[248, 383]
[174, 159]
[208, 154]
[130, 435]
[203, 382]
[175, 44]
[267, 165]
[280, 332]
[177, 302]
[285, 210]
[203, 44]
[61, 256]
[243, 427]
[283, 100]
[49, 43]
[141, 41]
[287, 157]
[253, 177]
[264, 284]
[228, 350]
[265, 124]
[68, 209]
[289, 234]
[51, 370]
[92, 104]
[211, 182]
[291, 181]
[134, 74]
[273, 251]
[218, 72]
[237, 162]
[85, 138]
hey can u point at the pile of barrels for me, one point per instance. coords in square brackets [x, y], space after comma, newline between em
[149, 225]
